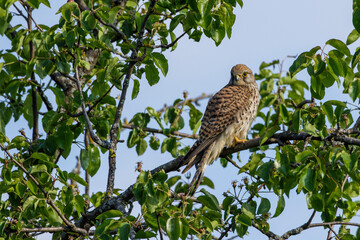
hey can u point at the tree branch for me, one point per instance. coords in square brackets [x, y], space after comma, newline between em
[93, 105]
[154, 130]
[270, 234]
[166, 46]
[120, 34]
[34, 104]
[195, 100]
[115, 127]
[96, 139]
[28, 10]
[126, 197]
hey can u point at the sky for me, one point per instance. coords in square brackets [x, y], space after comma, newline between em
[264, 30]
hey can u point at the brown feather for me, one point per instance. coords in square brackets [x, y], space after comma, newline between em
[190, 157]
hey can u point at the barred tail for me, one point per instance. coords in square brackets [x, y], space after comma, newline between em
[200, 170]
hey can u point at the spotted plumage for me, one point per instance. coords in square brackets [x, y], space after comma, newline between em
[229, 114]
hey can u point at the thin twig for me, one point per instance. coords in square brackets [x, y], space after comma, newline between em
[45, 229]
[232, 162]
[159, 226]
[180, 112]
[118, 32]
[25, 6]
[94, 105]
[115, 127]
[170, 44]
[195, 100]
[46, 195]
[223, 234]
[357, 124]
[269, 233]
[154, 130]
[95, 138]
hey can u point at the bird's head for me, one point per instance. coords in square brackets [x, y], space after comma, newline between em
[241, 75]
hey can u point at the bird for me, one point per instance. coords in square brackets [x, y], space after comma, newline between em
[226, 121]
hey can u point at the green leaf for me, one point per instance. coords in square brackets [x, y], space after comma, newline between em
[280, 206]
[161, 62]
[353, 36]
[94, 160]
[154, 143]
[124, 231]
[241, 229]
[33, 3]
[336, 103]
[46, 3]
[29, 202]
[70, 39]
[141, 147]
[243, 219]
[356, 19]
[269, 133]
[40, 156]
[110, 214]
[264, 206]
[339, 45]
[265, 170]
[171, 181]
[303, 155]
[152, 74]
[253, 164]
[173, 228]
[307, 178]
[38, 168]
[136, 89]
[240, 2]
[78, 179]
[144, 234]
[207, 182]
[249, 209]
[209, 200]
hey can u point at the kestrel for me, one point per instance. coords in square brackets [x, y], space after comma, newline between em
[226, 120]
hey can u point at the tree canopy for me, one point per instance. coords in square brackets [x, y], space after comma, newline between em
[63, 79]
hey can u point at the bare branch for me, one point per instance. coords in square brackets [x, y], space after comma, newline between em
[298, 230]
[115, 127]
[126, 197]
[269, 233]
[166, 46]
[300, 105]
[159, 226]
[28, 10]
[93, 105]
[96, 139]
[224, 233]
[357, 124]
[194, 100]
[46, 195]
[154, 130]
[232, 162]
[34, 104]
[45, 229]
[181, 110]
[120, 34]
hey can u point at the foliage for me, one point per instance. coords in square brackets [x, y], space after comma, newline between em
[101, 46]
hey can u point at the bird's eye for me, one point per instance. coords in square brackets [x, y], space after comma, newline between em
[244, 74]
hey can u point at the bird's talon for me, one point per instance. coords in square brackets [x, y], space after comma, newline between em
[237, 140]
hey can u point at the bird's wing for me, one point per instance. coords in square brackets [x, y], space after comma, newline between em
[222, 110]
[219, 114]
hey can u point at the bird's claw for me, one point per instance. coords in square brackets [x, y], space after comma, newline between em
[237, 140]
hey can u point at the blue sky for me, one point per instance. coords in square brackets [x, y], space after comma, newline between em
[264, 31]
